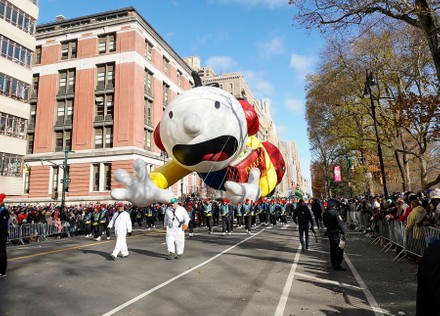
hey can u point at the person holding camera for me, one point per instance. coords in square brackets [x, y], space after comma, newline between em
[176, 222]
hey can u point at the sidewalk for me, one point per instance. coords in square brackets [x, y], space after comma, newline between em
[392, 284]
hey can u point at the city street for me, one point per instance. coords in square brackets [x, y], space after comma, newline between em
[261, 274]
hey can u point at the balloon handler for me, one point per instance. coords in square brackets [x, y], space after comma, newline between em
[208, 131]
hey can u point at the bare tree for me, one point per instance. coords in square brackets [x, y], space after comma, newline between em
[336, 14]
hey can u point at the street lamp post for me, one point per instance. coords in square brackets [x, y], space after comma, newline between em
[369, 81]
[65, 181]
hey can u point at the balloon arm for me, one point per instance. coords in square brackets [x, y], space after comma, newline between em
[168, 174]
[239, 192]
[143, 189]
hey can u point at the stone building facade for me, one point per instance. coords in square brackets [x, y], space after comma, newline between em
[18, 19]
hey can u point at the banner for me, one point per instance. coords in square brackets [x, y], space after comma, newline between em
[337, 173]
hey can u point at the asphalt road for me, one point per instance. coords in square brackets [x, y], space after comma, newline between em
[240, 274]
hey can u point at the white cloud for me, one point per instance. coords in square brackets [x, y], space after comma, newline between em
[221, 64]
[301, 65]
[294, 105]
[272, 48]
[260, 87]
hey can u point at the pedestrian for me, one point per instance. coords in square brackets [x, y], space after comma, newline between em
[121, 221]
[247, 212]
[226, 211]
[335, 233]
[303, 217]
[106, 216]
[191, 213]
[207, 211]
[239, 214]
[428, 280]
[88, 222]
[317, 212]
[4, 231]
[176, 222]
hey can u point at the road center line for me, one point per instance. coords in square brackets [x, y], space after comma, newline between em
[285, 294]
[137, 298]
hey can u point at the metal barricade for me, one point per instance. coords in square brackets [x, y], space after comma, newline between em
[38, 232]
[395, 235]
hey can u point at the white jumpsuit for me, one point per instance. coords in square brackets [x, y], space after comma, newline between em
[122, 223]
[174, 222]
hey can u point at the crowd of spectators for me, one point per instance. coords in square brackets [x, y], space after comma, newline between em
[79, 218]
[398, 207]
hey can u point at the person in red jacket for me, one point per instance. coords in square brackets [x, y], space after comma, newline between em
[22, 217]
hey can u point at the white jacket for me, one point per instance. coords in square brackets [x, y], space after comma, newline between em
[174, 221]
[122, 223]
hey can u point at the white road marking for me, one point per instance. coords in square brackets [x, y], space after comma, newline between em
[373, 304]
[289, 281]
[137, 298]
[285, 294]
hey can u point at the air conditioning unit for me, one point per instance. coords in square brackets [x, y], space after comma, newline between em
[99, 100]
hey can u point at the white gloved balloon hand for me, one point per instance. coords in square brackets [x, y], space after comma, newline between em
[239, 192]
[139, 189]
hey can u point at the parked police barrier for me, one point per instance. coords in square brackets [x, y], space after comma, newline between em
[38, 231]
[394, 233]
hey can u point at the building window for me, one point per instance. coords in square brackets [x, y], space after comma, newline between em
[104, 107]
[148, 82]
[27, 178]
[106, 76]
[148, 137]
[66, 81]
[37, 55]
[179, 78]
[35, 85]
[148, 50]
[32, 116]
[102, 177]
[166, 65]
[55, 178]
[30, 143]
[106, 43]
[63, 140]
[166, 94]
[16, 17]
[103, 137]
[148, 112]
[10, 165]
[14, 88]
[64, 112]
[12, 126]
[68, 50]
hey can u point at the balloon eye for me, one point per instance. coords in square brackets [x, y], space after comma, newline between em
[170, 114]
[217, 105]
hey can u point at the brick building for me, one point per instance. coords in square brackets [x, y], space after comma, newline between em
[100, 85]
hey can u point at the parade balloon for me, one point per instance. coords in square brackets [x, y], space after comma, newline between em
[208, 131]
